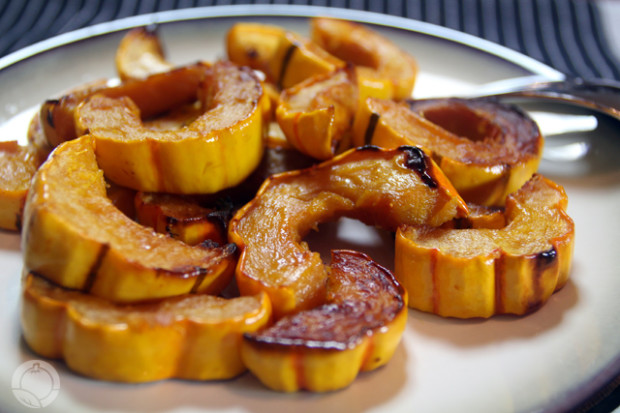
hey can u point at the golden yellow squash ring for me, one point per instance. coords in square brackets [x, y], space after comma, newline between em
[385, 188]
[323, 349]
[384, 69]
[74, 236]
[479, 272]
[216, 151]
[486, 149]
[195, 337]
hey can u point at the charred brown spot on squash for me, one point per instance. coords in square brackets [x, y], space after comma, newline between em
[500, 273]
[49, 106]
[545, 259]
[361, 296]
[370, 129]
[416, 160]
[286, 60]
[94, 269]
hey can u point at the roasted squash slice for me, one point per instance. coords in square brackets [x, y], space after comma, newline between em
[286, 58]
[316, 115]
[480, 272]
[74, 236]
[486, 149]
[181, 218]
[384, 69]
[254, 45]
[323, 349]
[298, 58]
[18, 165]
[195, 337]
[140, 54]
[216, 151]
[479, 216]
[379, 187]
[154, 95]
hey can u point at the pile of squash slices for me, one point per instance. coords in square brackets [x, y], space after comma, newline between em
[163, 217]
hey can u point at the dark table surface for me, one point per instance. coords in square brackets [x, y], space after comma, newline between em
[568, 35]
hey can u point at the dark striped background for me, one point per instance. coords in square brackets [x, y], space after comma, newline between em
[565, 34]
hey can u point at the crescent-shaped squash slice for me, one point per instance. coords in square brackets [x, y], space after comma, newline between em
[181, 218]
[154, 95]
[386, 188]
[384, 69]
[487, 150]
[18, 165]
[323, 349]
[217, 150]
[316, 115]
[140, 54]
[254, 45]
[481, 272]
[298, 58]
[195, 337]
[74, 236]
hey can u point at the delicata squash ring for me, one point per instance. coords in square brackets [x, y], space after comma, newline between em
[323, 349]
[195, 337]
[480, 272]
[74, 236]
[384, 69]
[154, 95]
[216, 151]
[386, 188]
[316, 115]
[487, 149]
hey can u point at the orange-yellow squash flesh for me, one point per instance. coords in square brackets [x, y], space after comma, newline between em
[254, 45]
[216, 151]
[486, 149]
[17, 167]
[194, 337]
[385, 188]
[317, 114]
[297, 58]
[324, 349]
[140, 54]
[155, 95]
[384, 68]
[181, 218]
[480, 272]
[74, 236]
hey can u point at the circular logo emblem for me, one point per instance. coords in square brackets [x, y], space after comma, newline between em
[35, 384]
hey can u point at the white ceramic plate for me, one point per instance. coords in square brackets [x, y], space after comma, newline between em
[549, 360]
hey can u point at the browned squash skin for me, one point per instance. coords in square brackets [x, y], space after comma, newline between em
[385, 188]
[323, 349]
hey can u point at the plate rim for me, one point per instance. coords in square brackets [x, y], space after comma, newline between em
[604, 379]
[284, 10]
